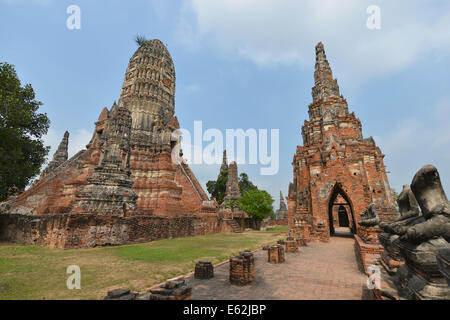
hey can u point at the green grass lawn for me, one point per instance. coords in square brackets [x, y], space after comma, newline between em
[30, 272]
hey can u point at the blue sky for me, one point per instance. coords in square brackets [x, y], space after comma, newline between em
[247, 64]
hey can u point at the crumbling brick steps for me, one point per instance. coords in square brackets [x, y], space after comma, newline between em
[242, 268]
[204, 270]
[234, 225]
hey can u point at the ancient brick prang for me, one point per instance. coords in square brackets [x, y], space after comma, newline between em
[232, 192]
[109, 189]
[60, 155]
[131, 167]
[224, 166]
[337, 173]
[95, 180]
[164, 187]
[282, 213]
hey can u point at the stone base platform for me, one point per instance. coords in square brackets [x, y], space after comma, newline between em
[369, 253]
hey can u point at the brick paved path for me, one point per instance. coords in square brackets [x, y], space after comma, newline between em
[319, 271]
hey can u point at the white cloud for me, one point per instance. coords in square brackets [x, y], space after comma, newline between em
[271, 33]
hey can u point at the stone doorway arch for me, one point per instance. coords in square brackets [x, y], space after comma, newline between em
[343, 217]
[338, 192]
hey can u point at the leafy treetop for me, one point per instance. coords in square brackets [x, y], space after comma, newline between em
[140, 40]
[258, 204]
[22, 151]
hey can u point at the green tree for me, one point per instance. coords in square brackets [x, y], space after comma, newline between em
[140, 40]
[218, 188]
[22, 151]
[232, 204]
[245, 184]
[272, 215]
[394, 196]
[258, 204]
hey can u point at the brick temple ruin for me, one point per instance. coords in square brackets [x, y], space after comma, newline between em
[337, 173]
[282, 213]
[124, 187]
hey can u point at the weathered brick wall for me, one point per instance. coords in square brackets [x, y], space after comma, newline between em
[88, 230]
[281, 222]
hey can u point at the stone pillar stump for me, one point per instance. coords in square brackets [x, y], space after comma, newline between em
[204, 270]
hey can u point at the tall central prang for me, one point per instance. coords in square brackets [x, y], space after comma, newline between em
[148, 91]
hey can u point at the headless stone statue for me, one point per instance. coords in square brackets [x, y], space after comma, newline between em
[433, 202]
[369, 217]
[409, 213]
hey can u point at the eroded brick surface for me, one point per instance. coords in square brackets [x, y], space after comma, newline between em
[336, 166]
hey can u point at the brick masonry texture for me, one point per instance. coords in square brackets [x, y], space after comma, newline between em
[87, 230]
[242, 268]
[204, 270]
[232, 192]
[336, 166]
[275, 222]
[275, 254]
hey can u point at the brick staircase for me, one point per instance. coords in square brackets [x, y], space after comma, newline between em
[234, 226]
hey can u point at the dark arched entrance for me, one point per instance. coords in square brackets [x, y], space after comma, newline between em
[343, 217]
[346, 205]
